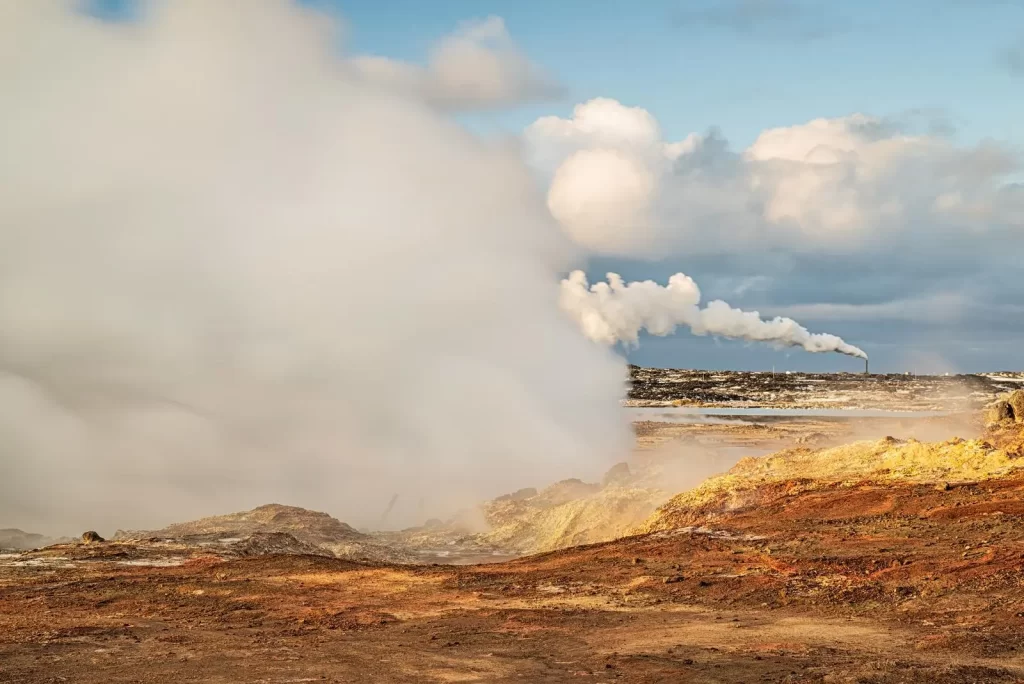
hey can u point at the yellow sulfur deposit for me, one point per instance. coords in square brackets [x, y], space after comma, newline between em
[885, 460]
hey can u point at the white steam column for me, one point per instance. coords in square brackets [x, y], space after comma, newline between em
[615, 312]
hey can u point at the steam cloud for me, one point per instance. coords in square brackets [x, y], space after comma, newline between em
[233, 272]
[617, 311]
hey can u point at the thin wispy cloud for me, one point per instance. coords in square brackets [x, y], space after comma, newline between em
[783, 19]
[1012, 58]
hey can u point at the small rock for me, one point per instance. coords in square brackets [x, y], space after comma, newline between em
[91, 537]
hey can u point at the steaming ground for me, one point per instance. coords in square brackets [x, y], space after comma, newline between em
[238, 265]
[233, 271]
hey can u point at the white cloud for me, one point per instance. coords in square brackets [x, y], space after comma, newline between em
[478, 66]
[609, 162]
[843, 185]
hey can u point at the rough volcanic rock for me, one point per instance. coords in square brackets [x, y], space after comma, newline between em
[537, 525]
[92, 537]
[998, 411]
[271, 543]
[277, 529]
[310, 527]
[1016, 402]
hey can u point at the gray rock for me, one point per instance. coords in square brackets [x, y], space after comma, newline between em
[91, 537]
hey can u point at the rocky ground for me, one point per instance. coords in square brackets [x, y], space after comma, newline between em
[840, 557]
[863, 573]
[669, 457]
[904, 392]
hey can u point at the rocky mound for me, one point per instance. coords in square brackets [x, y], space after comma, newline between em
[567, 513]
[18, 540]
[757, 481]
[554, 520]
[273, 529]
[310, 527]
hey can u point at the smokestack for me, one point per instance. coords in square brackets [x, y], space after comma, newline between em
[866, 367]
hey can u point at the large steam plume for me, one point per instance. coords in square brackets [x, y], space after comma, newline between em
[617, 311]
[233, 272]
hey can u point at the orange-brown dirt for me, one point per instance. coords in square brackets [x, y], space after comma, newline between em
[877, 579]
[871, 583]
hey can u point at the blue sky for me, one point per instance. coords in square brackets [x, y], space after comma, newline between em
[885, 58]
[745, 66]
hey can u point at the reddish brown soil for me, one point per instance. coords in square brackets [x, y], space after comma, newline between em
[868, 584]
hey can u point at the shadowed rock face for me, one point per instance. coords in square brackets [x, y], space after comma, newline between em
[1016, 402]
[999, 411]
[1007, 408]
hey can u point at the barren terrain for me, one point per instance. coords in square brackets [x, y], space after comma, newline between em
[843, 556]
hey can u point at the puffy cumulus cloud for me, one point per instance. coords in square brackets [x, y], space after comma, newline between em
[608, 165]
[598, 121]
[597, 220]
[830, 185]
[478, 66]
[233, 273]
